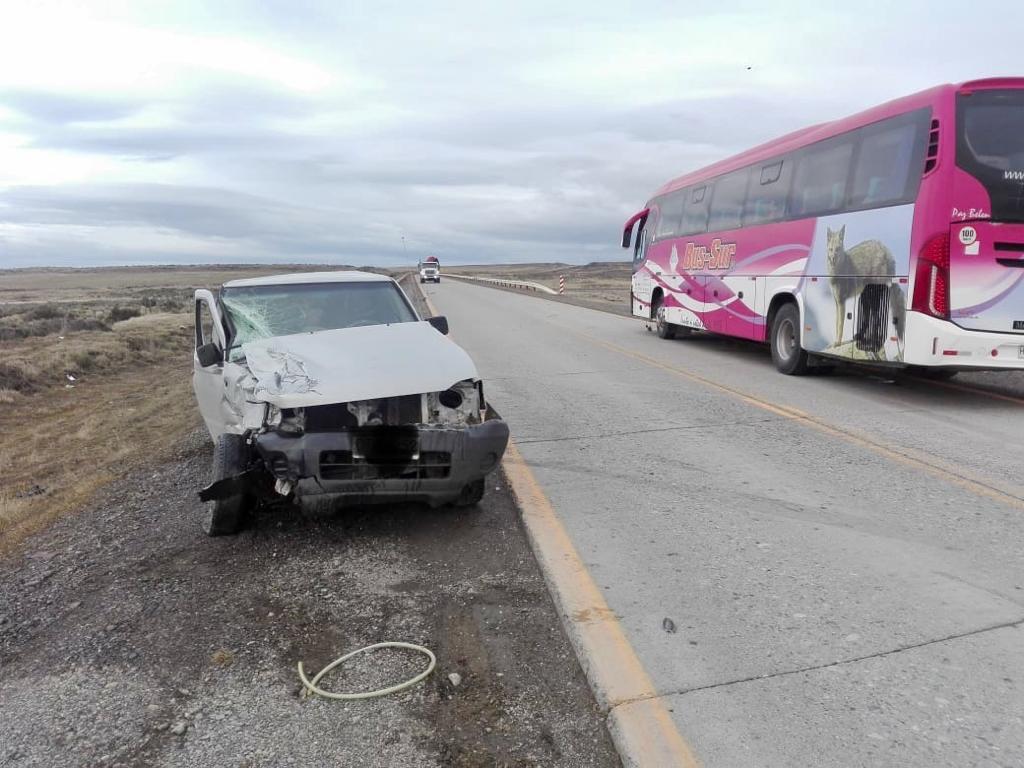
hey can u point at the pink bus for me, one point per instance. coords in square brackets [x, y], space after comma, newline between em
[893, 237]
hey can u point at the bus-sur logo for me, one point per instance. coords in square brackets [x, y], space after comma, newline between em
[718, 255]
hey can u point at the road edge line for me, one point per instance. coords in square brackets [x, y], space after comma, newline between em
[640, 725]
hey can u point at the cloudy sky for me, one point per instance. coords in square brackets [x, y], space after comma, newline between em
[303, 130]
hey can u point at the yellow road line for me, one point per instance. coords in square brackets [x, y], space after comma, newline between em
[953, 475]
[642, 727]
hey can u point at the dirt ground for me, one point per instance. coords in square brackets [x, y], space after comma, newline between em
[127, 637]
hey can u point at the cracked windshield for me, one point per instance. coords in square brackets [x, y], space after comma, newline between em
[263, 312]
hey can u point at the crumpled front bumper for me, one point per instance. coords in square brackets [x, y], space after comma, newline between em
[331, 468]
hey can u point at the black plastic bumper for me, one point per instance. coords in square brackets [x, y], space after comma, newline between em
[306, 461]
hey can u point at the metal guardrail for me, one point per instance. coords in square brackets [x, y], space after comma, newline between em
[523, 285]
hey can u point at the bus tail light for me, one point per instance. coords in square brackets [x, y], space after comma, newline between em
[931, 280]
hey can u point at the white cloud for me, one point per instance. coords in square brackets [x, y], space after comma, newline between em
[188, 130]
[73, 52]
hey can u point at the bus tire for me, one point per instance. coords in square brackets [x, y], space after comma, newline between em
[787, 354]
[666, 330]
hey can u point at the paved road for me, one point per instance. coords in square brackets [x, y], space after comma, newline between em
[842, 555]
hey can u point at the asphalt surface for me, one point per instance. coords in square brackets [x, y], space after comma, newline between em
[818, 571]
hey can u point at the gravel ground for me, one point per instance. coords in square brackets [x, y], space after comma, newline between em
[129, 638]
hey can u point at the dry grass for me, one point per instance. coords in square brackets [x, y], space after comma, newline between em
[71, 442]
[131, 399]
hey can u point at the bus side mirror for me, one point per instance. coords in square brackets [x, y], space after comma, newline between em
[627, 230]
[440, 322]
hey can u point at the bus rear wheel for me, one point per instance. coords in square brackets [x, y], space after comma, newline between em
[787, 354]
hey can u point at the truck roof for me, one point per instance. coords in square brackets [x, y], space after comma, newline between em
[299, 278]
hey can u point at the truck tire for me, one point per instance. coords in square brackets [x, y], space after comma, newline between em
[787, 354]
[471, 494]
[226, 517]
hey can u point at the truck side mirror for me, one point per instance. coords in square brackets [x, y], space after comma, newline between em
[209, 354]
[440, 322]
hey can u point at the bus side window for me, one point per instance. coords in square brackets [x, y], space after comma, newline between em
[819, 184]
[766, 200]
[671, 210]
[728, 200]
[889, 153]
[695, 212]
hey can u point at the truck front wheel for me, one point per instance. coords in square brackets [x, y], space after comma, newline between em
[228, 516]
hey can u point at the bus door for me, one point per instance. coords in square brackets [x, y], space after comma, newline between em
[740, 316]
[714, 292]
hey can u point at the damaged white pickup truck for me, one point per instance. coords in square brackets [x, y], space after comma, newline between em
[328, 388]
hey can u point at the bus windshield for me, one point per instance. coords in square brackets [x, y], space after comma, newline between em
[990, 147]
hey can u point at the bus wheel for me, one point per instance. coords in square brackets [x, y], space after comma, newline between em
[666, 330]
[787, 354]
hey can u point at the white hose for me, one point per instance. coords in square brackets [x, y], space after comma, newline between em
[311, 685]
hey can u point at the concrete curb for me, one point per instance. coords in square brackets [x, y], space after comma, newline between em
[641, 727]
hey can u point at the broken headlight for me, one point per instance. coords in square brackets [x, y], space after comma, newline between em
[293, 422]
[459, 405]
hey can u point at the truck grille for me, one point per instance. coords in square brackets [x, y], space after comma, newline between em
[342, 465]
[407, 409]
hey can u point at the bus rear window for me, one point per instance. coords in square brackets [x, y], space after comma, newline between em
[990, 146]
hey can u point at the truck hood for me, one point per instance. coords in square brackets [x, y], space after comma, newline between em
[351, 364]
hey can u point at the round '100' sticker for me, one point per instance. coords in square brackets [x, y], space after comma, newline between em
[968, 235]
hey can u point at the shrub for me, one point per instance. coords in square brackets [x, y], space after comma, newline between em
[44, 312]
[84, 361]
[117, 314]
[16, 377]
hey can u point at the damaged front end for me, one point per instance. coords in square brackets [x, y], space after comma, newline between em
[358, 415]
[430, 447]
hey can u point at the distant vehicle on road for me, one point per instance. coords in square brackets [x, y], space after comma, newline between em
[430, 270]
[328, 387]
[893, 237]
